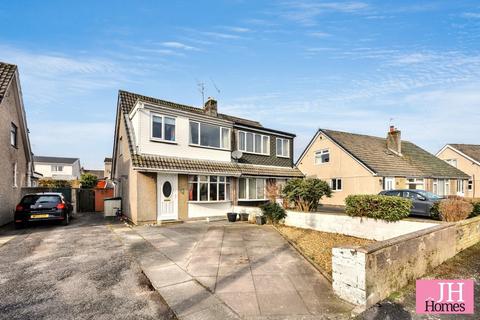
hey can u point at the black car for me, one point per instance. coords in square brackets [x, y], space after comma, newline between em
[43, 207]
[423, 201]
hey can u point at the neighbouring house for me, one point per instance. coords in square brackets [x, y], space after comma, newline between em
[58, 168]
[173, 161]
[360, 164]
[465, 157]
[107, 170]
[16, 160]
[97, 173]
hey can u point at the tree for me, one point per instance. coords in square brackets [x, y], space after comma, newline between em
[306, 193]
[88, 180]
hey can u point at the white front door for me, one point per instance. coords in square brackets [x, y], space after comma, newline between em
[389, 183]
[167, 195]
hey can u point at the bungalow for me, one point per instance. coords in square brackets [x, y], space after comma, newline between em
[177, 162]
[361, 164]
[465, 157]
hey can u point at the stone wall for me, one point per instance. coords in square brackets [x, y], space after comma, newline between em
[361, 227]
[366, 275]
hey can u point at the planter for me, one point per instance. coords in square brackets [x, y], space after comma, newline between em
[243, 216]
[232, 216]
[261, 220]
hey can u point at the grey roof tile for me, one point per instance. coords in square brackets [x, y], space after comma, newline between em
[471, 150]
[7, 71]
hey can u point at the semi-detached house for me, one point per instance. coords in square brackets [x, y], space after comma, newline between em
[177, 162]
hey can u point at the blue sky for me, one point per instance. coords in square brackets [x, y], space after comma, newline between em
[293, 65]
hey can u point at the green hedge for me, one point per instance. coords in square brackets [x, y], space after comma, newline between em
[476, 208]
[378, 207]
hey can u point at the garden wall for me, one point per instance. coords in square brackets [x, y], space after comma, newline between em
[366, 275]
[361, 227]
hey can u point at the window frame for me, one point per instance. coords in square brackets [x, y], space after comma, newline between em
[334, 186]
[15, 175]
[460, 187]
[56, 166]
[221, 135]
[247, 189]
[470, 184]
[162, 138]
[265, 150]
[226, 181]
[288, 147]
[13, 135]
[452, 162]
[321, 152]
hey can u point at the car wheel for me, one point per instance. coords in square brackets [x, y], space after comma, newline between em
[66, 221]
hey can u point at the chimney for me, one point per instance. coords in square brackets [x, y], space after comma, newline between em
[210, 107]
[394, 140]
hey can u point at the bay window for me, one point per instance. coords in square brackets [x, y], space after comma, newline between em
[251, 189]
[163, 128]
[208, 188]
[209, 135]
[253, 142]
[283, 148]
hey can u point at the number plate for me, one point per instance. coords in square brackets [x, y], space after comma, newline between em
[39, 216]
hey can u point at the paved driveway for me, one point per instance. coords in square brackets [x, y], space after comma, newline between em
[250, 268]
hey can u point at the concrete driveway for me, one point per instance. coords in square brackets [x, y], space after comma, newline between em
[81, 271]
[250, 268]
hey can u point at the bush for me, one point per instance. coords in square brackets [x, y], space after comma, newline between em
[273, 211]
[88, 180]
[452, 210]
[378, 207]
[476, 208]
[50, 183]
[306, 194]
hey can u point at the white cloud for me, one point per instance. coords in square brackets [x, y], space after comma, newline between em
[472, 15]
[319, 34]
[220, 35]
[178, 45]
[238, 29]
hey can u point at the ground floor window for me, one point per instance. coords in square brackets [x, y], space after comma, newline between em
[388, 183]
[336, 184]
[251, 189]
[415, 183]
[460, 187]
[441, 187]
[470, 184]
[208, 188]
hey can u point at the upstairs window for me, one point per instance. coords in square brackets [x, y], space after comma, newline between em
[209, 135]
[13, 134]
[283, 148]
[322, 156]
[57, 168]
[253, 142]
[163, 128]
[452, 162]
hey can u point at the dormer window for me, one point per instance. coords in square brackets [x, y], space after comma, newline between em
[253, 143]
[209, 135]
[283, 148]
[163, 128]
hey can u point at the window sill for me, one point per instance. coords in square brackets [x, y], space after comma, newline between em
[200, 202]
[255, 153]
[206, 147]
[163, 141]
[285, 157]
[252, 199]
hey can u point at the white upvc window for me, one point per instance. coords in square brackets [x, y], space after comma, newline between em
[452, 162]
[470, 184]
[13, 135]
[389, 183]
[15, 173]
[283, 148]
[441, 187]
[460, 187]
[209, 135]
[416, 183]
[208, 188]
[251, 189]
[163, 128]
[322, 156]
[57, 168]
[253, 143]
[336, 184]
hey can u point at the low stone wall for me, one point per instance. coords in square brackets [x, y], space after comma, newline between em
[360, 227]
[366, 275]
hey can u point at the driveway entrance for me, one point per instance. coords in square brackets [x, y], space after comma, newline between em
[250, 268]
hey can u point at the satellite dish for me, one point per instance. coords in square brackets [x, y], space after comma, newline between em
[237, 154]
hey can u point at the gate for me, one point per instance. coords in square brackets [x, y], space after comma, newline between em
[86, 200]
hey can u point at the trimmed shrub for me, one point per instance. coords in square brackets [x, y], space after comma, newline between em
[476, 208]
[306, 194]
[273, 211]
[378, 207]
[452, 210]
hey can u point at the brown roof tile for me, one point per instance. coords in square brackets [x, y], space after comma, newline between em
[373, 153]
[471, 150]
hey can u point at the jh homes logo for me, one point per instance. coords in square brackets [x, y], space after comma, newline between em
[445, 296]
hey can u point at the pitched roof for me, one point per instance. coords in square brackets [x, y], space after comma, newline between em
[129, 99]
[372, 153]
[7, 71]
[196, 166]
[55, 160]
[471, 150]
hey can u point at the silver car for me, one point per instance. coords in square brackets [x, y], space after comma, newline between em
[423, 201]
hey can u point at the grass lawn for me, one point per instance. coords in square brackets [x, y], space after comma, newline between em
[318, 245]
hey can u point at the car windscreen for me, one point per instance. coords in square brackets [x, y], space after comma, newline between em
[43, 200]
[429, 195]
